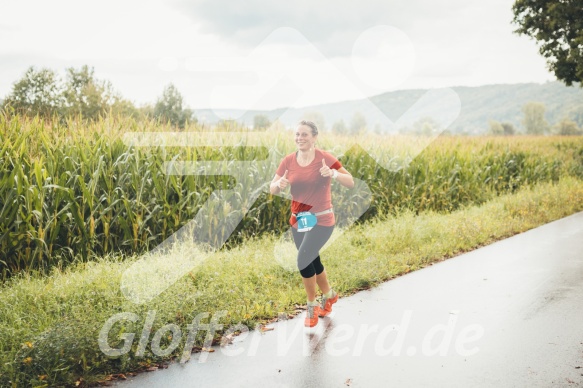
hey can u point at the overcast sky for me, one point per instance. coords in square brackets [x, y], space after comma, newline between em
[264, 54]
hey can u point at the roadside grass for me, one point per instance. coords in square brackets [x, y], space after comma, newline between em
[49, 325]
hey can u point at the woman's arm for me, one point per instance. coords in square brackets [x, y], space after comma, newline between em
[344, 178]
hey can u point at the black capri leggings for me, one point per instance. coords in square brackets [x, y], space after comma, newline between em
[309, 245]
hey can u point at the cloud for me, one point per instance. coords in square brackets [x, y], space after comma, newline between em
[146, 44]
[330, 25]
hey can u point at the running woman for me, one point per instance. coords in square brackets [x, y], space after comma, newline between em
[309, 172]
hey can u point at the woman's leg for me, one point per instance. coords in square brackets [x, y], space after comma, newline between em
[309, 264]
[310, 287]
[322, 281]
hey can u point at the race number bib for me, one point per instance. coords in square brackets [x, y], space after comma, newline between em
[306, 221]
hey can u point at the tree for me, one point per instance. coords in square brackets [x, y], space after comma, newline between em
[169, 107]
[87, 96]
[339, 127]
[37, 92]
[508, 129]
[496, 128]
[576, 114]
[534, 118]
[357, 123]
[566, 127]
[426, 126]
[124, 108]
[557, 25]
[42, 92]
[261, 122]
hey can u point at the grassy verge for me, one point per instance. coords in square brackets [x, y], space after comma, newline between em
[49, 325]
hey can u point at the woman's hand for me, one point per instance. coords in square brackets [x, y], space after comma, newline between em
[341, 175]
[278, 183]
[283, 182]
[325, 170]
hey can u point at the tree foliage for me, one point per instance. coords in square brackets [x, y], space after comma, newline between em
[261, 122]
[495, 128]
[534, 118]
[90, 97]
[426, 126]
[557, 25]
[508, 129]
[169, 108]
[501, 129]
[37, 92]
[42, 92]
[566, 127]
[357, 123]
[82, 96]
[339, 127]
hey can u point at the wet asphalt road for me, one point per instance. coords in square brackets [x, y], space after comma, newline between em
[506, 315]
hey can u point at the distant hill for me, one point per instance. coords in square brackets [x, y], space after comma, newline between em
[479, 105]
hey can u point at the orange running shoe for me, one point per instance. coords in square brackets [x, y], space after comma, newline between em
[312, 316]
[327, 303]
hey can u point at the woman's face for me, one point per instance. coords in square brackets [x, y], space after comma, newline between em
[304, 138]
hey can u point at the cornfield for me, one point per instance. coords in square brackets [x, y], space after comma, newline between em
[74, 190]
